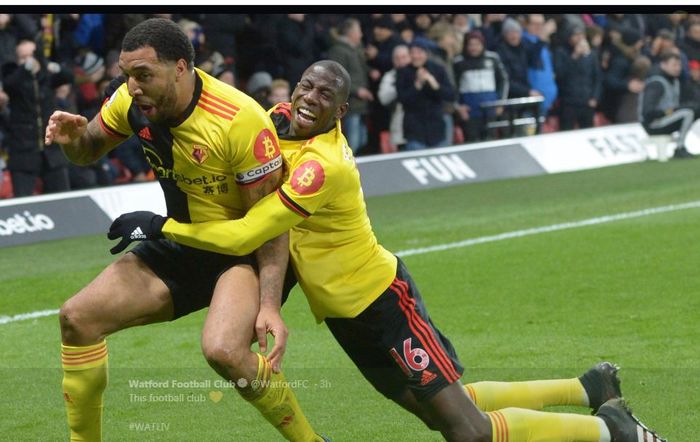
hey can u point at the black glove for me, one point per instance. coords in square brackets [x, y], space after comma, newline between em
[135, 226]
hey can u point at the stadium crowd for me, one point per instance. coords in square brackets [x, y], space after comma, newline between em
[418, 80]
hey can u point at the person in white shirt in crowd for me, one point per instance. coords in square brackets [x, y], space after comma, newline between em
[388, 95]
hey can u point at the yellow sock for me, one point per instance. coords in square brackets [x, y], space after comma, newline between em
[273, 398]
[84, 380]
[533, 395]
[520, 425]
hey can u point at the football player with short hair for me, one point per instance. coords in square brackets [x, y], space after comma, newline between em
[368, 299]
[215, 153]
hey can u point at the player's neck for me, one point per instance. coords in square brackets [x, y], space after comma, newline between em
[186, 94]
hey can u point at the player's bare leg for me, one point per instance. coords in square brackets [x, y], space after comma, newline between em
[226, 337]
[127, 293]
[450, 412]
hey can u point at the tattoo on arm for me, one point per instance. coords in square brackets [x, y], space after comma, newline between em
[273, 255]
[91, 146]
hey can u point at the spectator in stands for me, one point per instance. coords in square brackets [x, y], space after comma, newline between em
[379, 50]
[422, 89]
[399, 20]
[388, 95]
[225, 73]
[691, 42]
[491, 29]
[279, 91]
[348, 51]
[624, 78]
[222, 34]
[421, 24]
[515, 57]
[663, 42]
[258, 87]
[447, 46]
[660, 111]
[112, 69]
[296, 45]
[89, 32]
[618, 23]
[540, 72]
[379, 57]
[8, 40]
[406, 33]
[595, 36]
[462, 24]
[657, 22]
[27, 83]
[691, 93]
[480, 77]
[580, 81]
[88, 71]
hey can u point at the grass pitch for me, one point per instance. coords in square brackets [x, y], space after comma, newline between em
[539, 306]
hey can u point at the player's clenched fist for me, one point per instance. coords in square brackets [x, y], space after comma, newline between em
[64, 128]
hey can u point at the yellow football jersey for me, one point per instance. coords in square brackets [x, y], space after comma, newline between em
[222, 141]
[338, 262]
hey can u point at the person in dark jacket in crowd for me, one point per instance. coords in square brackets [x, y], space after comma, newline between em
[491, 28]
[624, 78]
[691, 42]
[222, 33]
[580, 81]
[296, 45]
[662, 42]
[516, 58]
[659, 105]
[27, 83]
[480, 77]
[349, 52]
[8, 39]
[380, 49]
[423, 87]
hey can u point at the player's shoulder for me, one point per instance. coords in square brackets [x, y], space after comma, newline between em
[226, 99]
[330, 151]
[116, 90]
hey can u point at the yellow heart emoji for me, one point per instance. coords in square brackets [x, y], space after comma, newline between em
[215, 396]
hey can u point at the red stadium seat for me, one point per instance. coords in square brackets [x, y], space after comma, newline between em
[551, 124]
[600, 120]
[385, 145]
[458, 135]
[6, 185]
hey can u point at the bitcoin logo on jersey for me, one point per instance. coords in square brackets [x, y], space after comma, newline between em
[266, 147]
[308, 177]
[270, 148]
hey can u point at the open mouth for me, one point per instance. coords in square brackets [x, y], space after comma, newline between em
[146, 109]
[305, 116]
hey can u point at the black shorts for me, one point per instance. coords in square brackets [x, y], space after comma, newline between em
[190, 274]
[395, 344]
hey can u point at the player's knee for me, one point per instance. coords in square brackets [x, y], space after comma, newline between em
[76, 327]
[468, 431]
[222, 356]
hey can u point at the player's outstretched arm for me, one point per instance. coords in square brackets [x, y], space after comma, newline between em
[272, 257]
[268, 219]
[83, 142]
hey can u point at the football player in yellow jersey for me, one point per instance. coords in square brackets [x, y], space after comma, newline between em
[215, 153]
[368, 299]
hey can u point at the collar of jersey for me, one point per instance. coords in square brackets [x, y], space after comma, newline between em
[190, 107]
